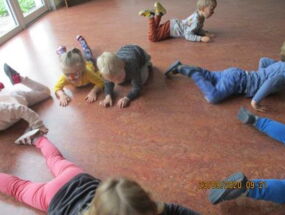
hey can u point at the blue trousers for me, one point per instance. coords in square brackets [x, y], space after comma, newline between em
[88, 55]
[268, 189]
[219, 85]
[273, 129]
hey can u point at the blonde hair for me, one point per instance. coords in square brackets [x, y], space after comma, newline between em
[282, 53]
[121, 196]
[72, 58]
[206, 3]
[109, 64]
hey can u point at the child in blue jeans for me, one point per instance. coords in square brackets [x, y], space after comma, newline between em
[272, 128]
[260, 189]
[219, 85]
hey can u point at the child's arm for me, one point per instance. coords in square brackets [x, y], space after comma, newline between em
[59, 92]
[108, 88]
[92, 95]
[134, 93]
[18, 111]
[265, 62]
[272, 85]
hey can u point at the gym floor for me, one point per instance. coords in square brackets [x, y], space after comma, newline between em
[170, 139]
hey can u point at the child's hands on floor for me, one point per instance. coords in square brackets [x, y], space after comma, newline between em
[123, 102]
[107, 102]
[92, 95]
[205, 39]
[64, 100]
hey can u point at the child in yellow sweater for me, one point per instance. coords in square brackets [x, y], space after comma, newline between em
[78, 72]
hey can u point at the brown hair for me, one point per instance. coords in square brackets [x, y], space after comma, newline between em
[206, 3]
[121, 196]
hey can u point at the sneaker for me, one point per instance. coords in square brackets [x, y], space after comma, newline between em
[159, 9]
[60, 50]
[246, 117]
[13, 75]
[79, 37]
[28, 137]
[146, 13]
[172, 69]
[1, 86]
[237, 179]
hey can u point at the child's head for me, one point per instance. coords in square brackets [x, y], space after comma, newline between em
[73, 64]
[111, 67]
[282, 53]
[206, 7]
[121, 196]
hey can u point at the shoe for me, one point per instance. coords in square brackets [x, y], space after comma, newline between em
[172, 69]
[79, 37]
[1, 86]
[60, 50]
[227, 191]
[159, 9]
[28, 137]
[246, 117]
[13, 75]
[146, 13]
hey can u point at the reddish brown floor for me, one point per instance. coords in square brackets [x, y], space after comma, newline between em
[170, 139]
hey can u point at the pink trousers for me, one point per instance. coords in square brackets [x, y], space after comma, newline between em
[39, 195]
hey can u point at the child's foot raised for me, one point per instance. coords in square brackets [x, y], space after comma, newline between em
[60, 50]
[246, 117]
[13, 75]
[79, 37]
[146, 13]
[173, 68]
[159, 9]
[231, 188]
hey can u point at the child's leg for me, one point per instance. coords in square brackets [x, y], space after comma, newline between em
[272, 128]
[268, 190]
[86, 49]
[158, 32]
[37, 93]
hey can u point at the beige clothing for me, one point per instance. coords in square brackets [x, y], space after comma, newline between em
[14, 105]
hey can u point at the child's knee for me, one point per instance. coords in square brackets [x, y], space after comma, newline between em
[211, 99]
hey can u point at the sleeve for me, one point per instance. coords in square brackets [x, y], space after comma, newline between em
[271, 85]
[174, 209]
[94, 76]
[136, 82]
[202, 32]
[108, 88]
[62, 81]
[193, 24]
[265, 62]
[18, 111]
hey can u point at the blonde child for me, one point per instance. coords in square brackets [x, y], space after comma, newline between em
[74, 192]
[131, 64]
[190, 28]
[78, 72]
[14, 105]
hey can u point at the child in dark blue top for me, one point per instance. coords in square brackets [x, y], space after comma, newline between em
[219, 85]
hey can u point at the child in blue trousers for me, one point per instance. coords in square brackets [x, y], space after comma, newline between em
[219, 85]
[238, 185]
[273, 129]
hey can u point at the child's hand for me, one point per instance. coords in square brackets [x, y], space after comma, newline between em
[91, 97]
[64, 100]
[258, 107]
[107, 101]
[205, 39]
[123, 102]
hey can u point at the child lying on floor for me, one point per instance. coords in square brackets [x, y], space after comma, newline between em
[190, 28]
[219, 85]
[78, 72]
[14, 105]
[74, 192]
[131, 64]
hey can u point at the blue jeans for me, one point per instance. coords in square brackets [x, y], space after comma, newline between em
[268, 189]
[273, 129]
[219, 85]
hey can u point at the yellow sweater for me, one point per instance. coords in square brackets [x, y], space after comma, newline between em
[89, 76]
